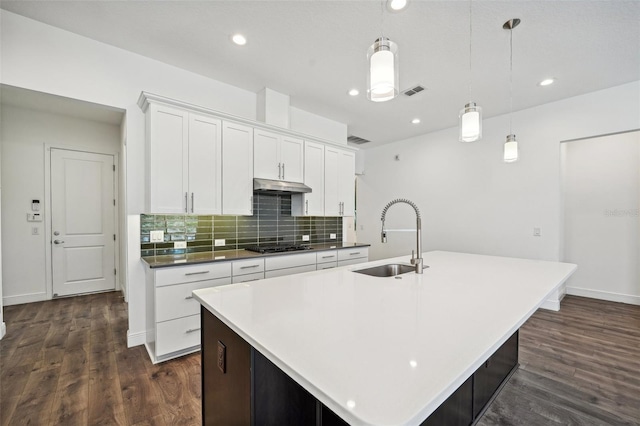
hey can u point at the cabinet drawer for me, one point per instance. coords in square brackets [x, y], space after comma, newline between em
[175, 301]
[290, 261]
[352, 261]
[249, 266]
[290, 271]
[354, 253]
[326, 265]
[191, 273]
[327, 256]
[177, 335]
[246, 278]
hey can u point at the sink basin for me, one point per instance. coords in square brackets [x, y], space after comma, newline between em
[390, 270]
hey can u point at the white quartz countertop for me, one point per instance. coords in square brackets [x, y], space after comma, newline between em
[386, 351]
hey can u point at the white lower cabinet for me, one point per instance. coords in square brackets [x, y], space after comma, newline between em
[173, 317]
[353, 256]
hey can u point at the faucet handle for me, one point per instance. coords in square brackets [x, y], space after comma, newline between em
[413, 257]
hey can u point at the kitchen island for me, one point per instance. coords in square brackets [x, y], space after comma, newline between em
[368, 350]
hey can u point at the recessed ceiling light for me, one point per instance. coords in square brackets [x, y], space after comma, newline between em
[547, 81]
[415, 121]
[239, 39]
[354, 92]
[396, 5]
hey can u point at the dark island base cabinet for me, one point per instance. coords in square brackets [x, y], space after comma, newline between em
[242, 387]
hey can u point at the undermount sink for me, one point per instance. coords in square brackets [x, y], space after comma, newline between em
[390, 270]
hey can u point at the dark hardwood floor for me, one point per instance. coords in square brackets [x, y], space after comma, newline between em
[65, 362]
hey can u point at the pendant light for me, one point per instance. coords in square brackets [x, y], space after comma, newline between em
[470, 117]
[382, 78]
[511, 144]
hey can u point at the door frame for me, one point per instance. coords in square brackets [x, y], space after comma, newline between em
[47, 209]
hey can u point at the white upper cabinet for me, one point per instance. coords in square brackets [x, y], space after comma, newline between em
[183, 161]
[237, 169]
[312, 203]
[339, 181]
[278, 157]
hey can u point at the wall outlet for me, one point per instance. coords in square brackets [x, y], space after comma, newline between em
[536, 232]
[332, 236]
[180, 244]
[156, 236]
[305, 238]
[219, 243]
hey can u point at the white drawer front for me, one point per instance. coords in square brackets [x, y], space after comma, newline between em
[177, 335]
[186, 274]
[250, 266]
[327, 256]
[290, 271]
[290, 261]
[352, 261]
[327, 265]
[176, 301]
[354, 253]
[246, 278]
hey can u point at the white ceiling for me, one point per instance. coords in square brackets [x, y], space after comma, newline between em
[315, 51]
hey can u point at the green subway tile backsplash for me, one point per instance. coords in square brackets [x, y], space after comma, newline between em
[271, 223]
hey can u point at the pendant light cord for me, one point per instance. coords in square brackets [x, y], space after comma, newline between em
[510, 78]
[470, 38]
[382, 19]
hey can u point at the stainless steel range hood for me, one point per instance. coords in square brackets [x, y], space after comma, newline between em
[279, 187]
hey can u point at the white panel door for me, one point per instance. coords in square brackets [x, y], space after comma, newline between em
[331, 183]
[205, 165]
[168, 160]
[82, 219]
[266, 164]
[292, 159]
[237, 169]
[346, 184]
[314, 178]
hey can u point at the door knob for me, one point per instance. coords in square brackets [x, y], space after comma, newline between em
[58, 242]
[56, 233]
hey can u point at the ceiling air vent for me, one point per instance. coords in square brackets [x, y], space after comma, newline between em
[357, 140]
[413, 90]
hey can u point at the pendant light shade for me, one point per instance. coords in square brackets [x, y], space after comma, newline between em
[382, 81]
[470, 123]
[511, 149]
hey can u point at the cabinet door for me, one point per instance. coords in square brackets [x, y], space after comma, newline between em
[314, 178]
[292, 159]
[237, 169]
[267, 164]
[346, 184]
[167, 133]
[205, 165]
[331, 182]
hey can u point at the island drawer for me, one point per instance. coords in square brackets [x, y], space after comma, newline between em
[191, 273]
[353, 253]
[250, 266]
[177, 335]
[175, 301]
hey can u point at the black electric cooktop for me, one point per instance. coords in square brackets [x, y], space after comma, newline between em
[278, 248]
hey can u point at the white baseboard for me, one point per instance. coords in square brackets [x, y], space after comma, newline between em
[123, 289]
[3, 330]
[136, 339]
[604, 295]
[551, 305]
[24, 298]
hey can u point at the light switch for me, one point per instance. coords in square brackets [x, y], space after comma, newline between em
[536, 232]
[305, 238]
[156, 236]
[332, 236]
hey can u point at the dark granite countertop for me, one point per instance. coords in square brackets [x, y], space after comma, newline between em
[226, 255]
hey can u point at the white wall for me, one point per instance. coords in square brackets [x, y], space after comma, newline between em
[601, 184]
[473, 202]
[44, 58]
[24, 135]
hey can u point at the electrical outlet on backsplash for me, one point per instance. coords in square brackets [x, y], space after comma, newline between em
[271, 223]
